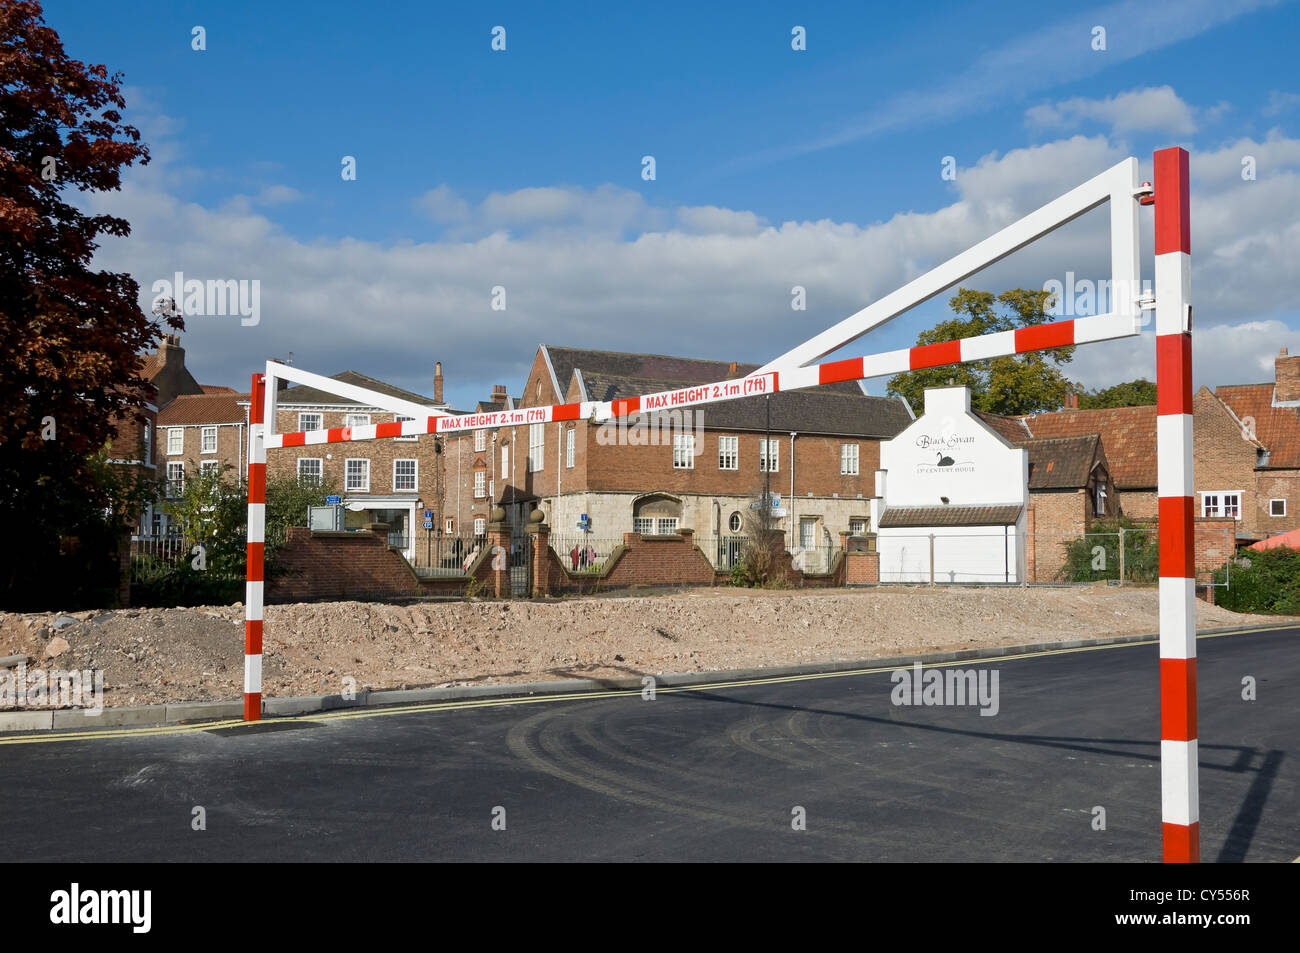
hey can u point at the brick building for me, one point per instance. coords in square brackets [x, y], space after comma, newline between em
[470, 478]
[1246, 455]
[382, 481]
[701, 468]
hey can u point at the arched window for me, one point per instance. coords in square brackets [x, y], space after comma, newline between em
[656, 515]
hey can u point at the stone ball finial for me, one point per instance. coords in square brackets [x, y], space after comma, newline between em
[537, 516]
[498, 514]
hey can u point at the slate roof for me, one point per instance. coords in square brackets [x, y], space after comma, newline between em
[1277, 428]
[302, 394]
[203, 409]
[913, 516]
[811, 411]
[657, 367]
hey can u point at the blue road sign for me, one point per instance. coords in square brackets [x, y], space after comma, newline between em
[333, 500]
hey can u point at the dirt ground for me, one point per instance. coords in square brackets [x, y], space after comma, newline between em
[169, 655]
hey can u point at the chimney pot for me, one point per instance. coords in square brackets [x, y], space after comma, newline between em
[437, 382]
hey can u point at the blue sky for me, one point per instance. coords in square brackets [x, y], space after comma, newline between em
[774, 168]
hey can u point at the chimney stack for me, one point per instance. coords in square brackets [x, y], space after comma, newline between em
[499, 393]
[731, 369]
[437, 382]
[1286, 376]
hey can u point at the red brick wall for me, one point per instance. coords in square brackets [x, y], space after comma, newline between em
[862, 569]
[1277, 485]
[1223, 458]
[340, 566]
[1058, 517]
[1214, 541]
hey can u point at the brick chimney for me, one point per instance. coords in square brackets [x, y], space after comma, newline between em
[731, 369]
[1071, 401]
[437, 382]
[1286, 375]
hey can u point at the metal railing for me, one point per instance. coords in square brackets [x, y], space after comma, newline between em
[447, 555]
[584, 554]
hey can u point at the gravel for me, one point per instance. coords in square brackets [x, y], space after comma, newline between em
[151, 656]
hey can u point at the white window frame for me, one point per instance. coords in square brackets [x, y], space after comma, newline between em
[666, 525]
[207, 466]
[348, 487]
[735, 523]
[204, 433]
[769, 454]
[492, 489]
[480, 484]
[1099, 498]
[175, 441]
[305, 416]
[536, 448]
[644, 525]
[480, 441]
[1219, 508]
[356, 420]
[480, 526]
[320, 465]
[415, 476]
[849, 459]
[570, 439]
[1277, 500]
[175, 485]
[728, 453]
[449, 526]
[683, 451]
[147, 439]
[861, 521]
[408, 438]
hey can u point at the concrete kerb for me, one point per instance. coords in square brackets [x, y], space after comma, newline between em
[308, 704]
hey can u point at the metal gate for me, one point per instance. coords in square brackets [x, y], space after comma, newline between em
[520, 562]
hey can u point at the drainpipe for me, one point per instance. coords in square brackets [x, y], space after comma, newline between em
[793, 538]
[460, 452]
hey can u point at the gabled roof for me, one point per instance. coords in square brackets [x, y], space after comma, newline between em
[1128, 434]
[1057, 463]
[302, 394]
[203, 409]
[1276, 428]
[815, 410]
[218, 389]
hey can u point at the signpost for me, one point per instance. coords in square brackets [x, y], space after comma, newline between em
[333, 501]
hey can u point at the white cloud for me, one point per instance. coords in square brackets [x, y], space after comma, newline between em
[1153, 109]
[698, 281]
[1280, 102]
[278, 195]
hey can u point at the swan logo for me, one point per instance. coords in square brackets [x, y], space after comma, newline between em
[947, 450]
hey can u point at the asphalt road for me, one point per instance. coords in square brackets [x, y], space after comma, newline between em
[709, 774]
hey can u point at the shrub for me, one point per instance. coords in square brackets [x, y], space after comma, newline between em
[1141, 554]
[1261, 581]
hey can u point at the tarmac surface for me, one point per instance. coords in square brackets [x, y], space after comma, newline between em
[723, 772]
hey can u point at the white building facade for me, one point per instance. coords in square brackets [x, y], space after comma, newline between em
[951, 499]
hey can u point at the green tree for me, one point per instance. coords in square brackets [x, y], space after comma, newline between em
[1261, 581]
[72, 333]
[1095, 556]
[1020, 384]
[1138, 393]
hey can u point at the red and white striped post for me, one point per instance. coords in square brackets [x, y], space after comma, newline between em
[256, 552]
[1178, 747]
